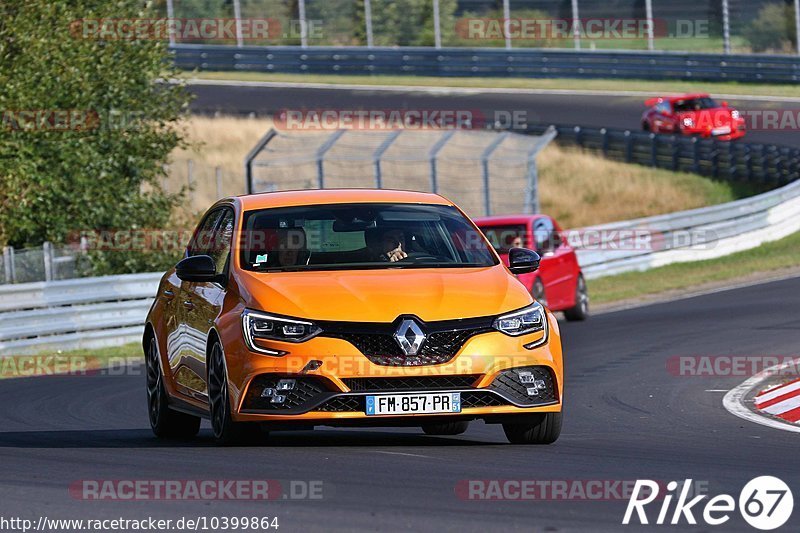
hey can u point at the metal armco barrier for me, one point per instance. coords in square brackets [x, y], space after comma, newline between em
[94, 312]
[765, 164]
[466, 62]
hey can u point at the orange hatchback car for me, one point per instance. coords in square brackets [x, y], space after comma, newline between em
[349, 307]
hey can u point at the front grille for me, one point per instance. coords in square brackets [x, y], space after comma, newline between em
[342, 404]
[376, 340]
[415, 383]
[305, 392]
[508, 383]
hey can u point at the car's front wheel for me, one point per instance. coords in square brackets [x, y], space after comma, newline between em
[541, 428]
[226, 431]
[164, 421]
[446, 428]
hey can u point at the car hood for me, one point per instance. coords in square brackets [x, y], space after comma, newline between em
[383, 295]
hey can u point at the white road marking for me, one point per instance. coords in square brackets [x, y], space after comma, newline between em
[734, 401]
[466, 90]
[716, 390]
[406, 454]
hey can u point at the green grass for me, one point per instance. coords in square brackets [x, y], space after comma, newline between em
[772, 256]
[653, 87]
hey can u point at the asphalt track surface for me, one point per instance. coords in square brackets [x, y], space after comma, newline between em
[598, 110]
[626, 417]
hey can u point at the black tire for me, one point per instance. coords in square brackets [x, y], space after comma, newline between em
[537, 291]
[645, 126]
[542, 428]
[580, 311]
[226, 431]
[165, 422]
[446, 428]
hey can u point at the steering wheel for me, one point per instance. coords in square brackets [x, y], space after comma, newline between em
[423, 256]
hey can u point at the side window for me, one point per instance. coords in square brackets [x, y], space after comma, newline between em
[202, 239]
[663, 108]
[544, 236]
[221, 240]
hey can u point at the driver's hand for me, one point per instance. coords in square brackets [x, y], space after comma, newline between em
[396, 255]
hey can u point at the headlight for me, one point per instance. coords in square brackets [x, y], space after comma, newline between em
[528, 320]
[258, 325]
[735, 114]
[688, 122]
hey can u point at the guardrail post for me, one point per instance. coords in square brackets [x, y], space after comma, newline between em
[8, 264]
[604, 133]
[47, 257]
[653, 150]
[628, 146]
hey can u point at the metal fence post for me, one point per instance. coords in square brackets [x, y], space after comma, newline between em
[237, 13]
[8, 264]
[376, 157]
[170, 16]
[532, 187]
[327, 145]
[507, 23]
[368, 22]
[650, 25]
[47, 257]
[576, 33]
[301, 14]
[432, 158]
[797, 23]
[250, 158]
[726, 27]
[437, 28]
[487, 153]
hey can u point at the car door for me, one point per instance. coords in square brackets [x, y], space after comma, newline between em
[552, 268]
[186, 346]
[207, 298]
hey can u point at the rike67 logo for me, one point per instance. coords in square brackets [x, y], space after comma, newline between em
[765, 503]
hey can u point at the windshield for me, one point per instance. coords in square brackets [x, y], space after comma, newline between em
[503, 238]
[360, 236]
[695, 104]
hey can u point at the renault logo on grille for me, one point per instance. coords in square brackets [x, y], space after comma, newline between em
[409, 336]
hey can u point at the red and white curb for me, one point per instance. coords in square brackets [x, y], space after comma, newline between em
[782, 401]
[777, 407]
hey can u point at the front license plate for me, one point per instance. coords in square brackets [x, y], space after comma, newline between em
[724, 130]
[415, 403]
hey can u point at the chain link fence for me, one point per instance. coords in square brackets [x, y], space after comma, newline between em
[47, 263]
[713, 26]
[483, 172]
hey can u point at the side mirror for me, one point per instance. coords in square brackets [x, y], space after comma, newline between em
[724, 104]
[198, 268]
[522, 261]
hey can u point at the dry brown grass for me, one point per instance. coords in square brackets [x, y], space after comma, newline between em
[577, 188]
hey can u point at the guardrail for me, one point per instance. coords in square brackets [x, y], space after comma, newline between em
[77, 313]
[765, 164]
[95, 312]
[489, 62]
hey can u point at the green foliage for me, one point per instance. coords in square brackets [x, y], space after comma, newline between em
[773, 29]
[104, 175]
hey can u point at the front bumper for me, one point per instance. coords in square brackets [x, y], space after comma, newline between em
[333, 379]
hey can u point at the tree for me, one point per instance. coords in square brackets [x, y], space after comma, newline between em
[101, 171]
[773, 29]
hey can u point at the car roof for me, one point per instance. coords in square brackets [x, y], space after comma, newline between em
[675, 97]
[337, 196]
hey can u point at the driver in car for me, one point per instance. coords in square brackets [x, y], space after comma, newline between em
[386, 244]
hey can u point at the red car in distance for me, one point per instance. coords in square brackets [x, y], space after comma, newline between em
[693, 114]
[559, 283]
